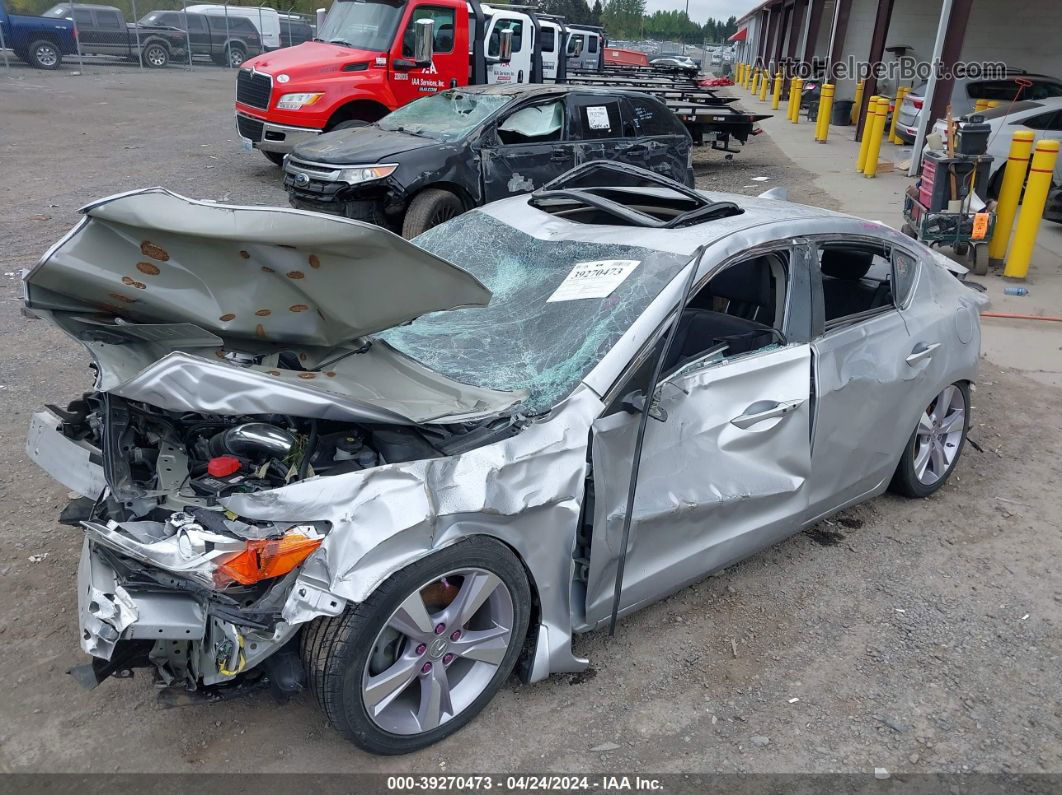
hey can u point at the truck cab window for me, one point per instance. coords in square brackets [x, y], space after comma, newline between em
[516, 26]
[442, 31]
[548, 39]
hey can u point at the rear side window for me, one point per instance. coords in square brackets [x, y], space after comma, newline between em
[83, 17]
[1043, 91]
[241, 25]
[108, 20]
[856, 281]
[548, 39]
[904, 269]
[598, 117]
[592, 45]
[652, 119]
[196, 23]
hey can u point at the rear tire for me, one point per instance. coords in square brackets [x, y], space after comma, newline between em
[235, 56]
[341, 654]
[941, 431]
[44, 54]
[429, 208]
[276, 158]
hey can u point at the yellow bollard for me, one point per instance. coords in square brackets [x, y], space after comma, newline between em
[822, 121]
[763, 85]
[854, 118]
[870, 166]
[798, 90]
[1010, 193]
[992, 103]
[756, 82]
[737, 72]
[1032, 209]
[776, 94]
[901, 92]
[864, 145]
[980, 105]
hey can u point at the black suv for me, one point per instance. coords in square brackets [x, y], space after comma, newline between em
[228, 42]
[102, 30]
[294, 31]
[449, 152]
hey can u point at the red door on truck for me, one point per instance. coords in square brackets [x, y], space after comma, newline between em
[449, 66]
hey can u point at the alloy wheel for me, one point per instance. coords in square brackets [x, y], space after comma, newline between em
[438, 651]
[235, 58]
[46, 55]
[939, 435]
[156, 56]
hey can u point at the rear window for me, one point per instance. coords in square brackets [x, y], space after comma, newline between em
[652, 119]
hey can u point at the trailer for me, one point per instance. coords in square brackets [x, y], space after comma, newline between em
[707, 115]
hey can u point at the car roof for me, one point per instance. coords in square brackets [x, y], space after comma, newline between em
[91, 7]
[544, 89]
[517, 212]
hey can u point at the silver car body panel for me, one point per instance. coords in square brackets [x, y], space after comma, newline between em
[714, 492]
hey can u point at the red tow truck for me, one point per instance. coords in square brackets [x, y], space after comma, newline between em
[373, 56]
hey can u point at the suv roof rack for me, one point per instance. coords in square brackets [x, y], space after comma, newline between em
[607, 187]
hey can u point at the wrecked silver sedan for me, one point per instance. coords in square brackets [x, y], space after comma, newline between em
[319, 455]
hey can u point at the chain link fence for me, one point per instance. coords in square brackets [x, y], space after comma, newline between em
[149, 34]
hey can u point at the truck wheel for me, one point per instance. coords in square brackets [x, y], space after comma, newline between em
[349, 124]
[235, 57]
[276, 158]
[430, 208]
[44, 54]
[155, 56]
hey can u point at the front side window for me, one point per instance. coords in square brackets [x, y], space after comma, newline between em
[856, 281]
[362, 24]
[442, 30]
[573, 41]
[535, 124]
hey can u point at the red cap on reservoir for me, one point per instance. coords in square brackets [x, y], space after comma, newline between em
[223, 465]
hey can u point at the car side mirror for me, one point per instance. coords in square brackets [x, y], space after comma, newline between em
[423, 41]
[634, 403]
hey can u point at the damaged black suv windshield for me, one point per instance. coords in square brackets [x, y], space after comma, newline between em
[444, 117]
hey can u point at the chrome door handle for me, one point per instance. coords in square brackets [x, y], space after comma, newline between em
[921, 351]
[777, 410]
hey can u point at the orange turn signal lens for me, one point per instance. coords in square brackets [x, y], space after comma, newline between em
[263, 560]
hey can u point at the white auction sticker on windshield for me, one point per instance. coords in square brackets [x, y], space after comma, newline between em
[593, 279]
[597, 117]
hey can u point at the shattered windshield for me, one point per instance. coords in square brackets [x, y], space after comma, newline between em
[446, 116]
[361, 24]
[523, 340]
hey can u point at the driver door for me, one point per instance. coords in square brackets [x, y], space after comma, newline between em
[413, 82]
[525, 149]
[724, 474]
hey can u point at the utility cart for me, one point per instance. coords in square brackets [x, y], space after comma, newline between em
[940, 209]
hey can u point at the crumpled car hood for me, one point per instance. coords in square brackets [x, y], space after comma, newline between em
[264, 273]
[190, 306]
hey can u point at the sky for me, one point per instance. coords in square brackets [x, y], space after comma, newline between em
[700, 10]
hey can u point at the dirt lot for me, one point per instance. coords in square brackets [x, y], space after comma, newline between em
[909, 635]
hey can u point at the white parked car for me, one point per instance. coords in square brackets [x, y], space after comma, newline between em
[967, 91]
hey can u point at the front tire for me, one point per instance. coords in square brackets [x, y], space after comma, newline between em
[235, 56]
[429, 208]
[155, 56]
[425, 652]
[936, 444]
[44, 54]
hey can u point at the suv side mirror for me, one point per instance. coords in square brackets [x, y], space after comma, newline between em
[423, 41]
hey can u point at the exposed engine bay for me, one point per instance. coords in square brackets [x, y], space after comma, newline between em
[174, 581]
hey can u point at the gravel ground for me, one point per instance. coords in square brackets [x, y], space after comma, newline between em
[911, 635]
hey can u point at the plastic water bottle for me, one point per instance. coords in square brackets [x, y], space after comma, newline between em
[1015, 291]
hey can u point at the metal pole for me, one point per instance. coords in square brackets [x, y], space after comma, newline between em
[228, 60]
[77, 39]
[931, 86]
[136, 33]
[188, 33]
[3, 46]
